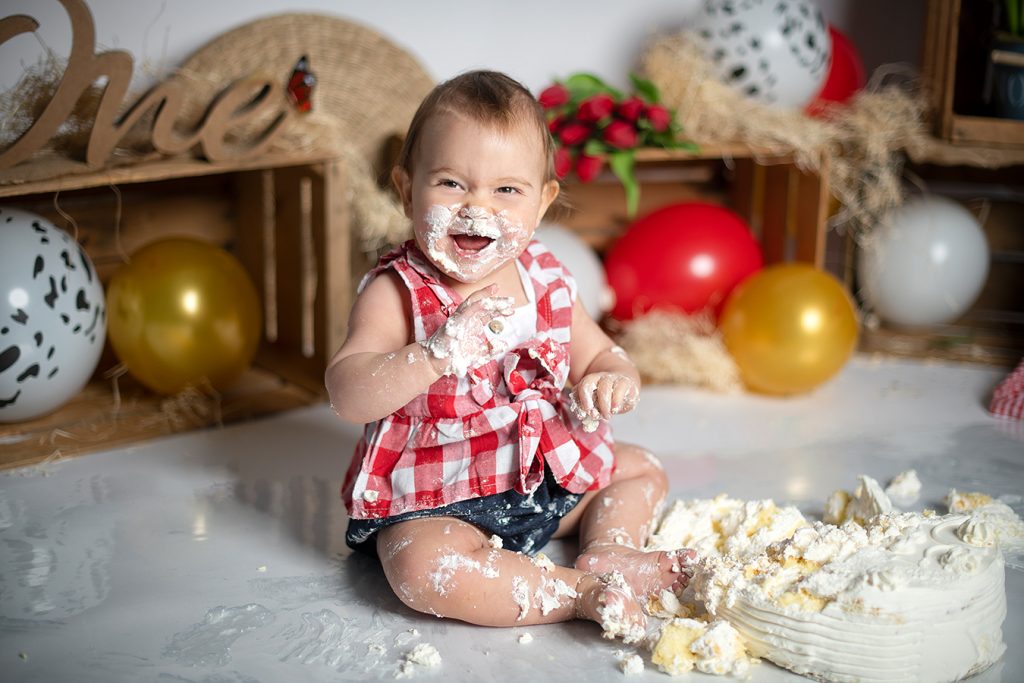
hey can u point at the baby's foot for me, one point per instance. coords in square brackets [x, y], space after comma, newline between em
[611, 603]
[646, 573]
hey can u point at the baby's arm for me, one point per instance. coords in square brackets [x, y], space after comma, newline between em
[606, 381]
[378, 369]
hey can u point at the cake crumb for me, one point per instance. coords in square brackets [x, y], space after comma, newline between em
[632, 665]
[424, 656]
[495, 541]
[525, 639]
[543, 561]
[905, 488]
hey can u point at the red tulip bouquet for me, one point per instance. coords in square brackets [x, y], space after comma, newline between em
[593, 124]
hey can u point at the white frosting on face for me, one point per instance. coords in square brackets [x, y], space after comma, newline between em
[441, 224]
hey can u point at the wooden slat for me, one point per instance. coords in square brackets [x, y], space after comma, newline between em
[929, 57]
[743, 191]
[949, 20]
[986, 130]
[334, 293]
[250, 189]
[736, 150]
[810, 214]
[59, 174]
[288, 256]
[775, 212]
[93, 420]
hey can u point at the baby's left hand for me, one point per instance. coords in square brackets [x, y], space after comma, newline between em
[600, 395]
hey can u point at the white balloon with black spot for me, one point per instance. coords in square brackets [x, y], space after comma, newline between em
[773, 51]
[53, 318]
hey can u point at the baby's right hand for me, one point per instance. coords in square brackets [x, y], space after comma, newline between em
[462, 343]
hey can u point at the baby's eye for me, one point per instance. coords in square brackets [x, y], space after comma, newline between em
[508, 189]
[448, 182]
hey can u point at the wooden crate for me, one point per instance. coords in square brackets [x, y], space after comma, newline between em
[991, 331]
[786, 207]
[284, 217]
[954, 66]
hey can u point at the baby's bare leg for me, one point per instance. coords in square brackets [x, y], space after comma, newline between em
[448, 568]
[616, 522]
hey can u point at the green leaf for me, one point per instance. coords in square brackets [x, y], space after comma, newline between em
[583, 85]
[621, 164]
[646, 89]
[594, 148]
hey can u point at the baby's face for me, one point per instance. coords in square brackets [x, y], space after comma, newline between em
[476, 194]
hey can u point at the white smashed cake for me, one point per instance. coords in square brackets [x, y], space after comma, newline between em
[884, 596]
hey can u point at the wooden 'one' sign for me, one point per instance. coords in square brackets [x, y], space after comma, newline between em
[245, 100]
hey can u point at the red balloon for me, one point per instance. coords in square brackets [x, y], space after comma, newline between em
[686, 257]
[845, 76]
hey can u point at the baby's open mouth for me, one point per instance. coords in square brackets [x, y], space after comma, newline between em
[472, 242]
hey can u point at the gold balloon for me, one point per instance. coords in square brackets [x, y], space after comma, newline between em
[183, 312]
[789, 328]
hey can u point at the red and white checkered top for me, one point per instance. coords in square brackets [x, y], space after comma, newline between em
[490, 431]
[1008, 398]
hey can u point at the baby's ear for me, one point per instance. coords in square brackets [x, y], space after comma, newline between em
[548, 194]
[403, 186]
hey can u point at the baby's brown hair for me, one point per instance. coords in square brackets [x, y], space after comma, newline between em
[488, 97]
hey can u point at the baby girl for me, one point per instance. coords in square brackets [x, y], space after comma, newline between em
[460, 346]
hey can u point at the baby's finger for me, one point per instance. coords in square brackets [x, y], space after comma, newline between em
[625, 395]
[603, 394]
[483, 292]
[585, 393]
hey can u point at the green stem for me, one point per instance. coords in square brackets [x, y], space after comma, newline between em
[621, 164]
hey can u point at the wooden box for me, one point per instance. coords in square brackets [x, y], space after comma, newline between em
[786, 207]
[955, 66]
[991, 331]
[284, 217]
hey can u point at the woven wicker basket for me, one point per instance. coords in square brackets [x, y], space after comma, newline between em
[366, 85]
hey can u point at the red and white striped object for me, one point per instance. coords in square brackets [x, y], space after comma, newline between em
[1008, 397]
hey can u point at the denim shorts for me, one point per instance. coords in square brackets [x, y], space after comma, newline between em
[525, 523]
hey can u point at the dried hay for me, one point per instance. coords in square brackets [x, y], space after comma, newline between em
[863, 140]
[676, 348]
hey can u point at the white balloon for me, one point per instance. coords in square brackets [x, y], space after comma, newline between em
[771, 51]
[53, 318]
[925, 264]
[593, 290]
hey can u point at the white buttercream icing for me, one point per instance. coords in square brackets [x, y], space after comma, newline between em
[992, 521]
[902, 598]
[904, 489]
[725, 526]
[886, 596]
[868, 500]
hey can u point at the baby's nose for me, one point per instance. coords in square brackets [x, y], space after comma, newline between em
[474, 212]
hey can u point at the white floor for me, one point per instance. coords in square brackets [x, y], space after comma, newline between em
[218, 556]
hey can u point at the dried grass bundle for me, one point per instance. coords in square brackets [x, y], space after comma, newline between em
[24, 102]
[683, 349]
[863, 140]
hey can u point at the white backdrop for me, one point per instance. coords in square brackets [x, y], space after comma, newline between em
[532, 40]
